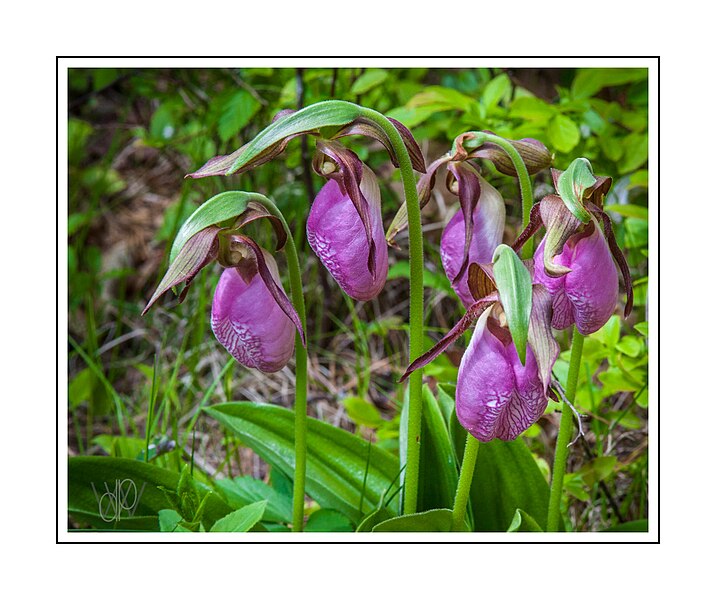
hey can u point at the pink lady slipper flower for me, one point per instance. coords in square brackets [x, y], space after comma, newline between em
[251, 316]
[497, 396]
[473, 233]
[345, 226]
[576, 262]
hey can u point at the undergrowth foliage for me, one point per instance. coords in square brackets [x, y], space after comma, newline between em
[268, 395]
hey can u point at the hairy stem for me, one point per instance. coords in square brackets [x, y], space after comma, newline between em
[565, 433]
[415, 240]
[464, 483]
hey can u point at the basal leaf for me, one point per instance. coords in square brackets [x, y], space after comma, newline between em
[523, 522]
[240, 520]
[336, 459]
[432, 520]
[93, 479]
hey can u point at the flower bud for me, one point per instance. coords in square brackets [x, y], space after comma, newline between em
[337, 235]
[534, 153]
[586, 295]
[249, 322]
[497, 397]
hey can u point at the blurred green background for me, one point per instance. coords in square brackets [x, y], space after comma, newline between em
[134, 133]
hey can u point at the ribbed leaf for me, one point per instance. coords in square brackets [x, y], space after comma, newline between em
[336, 462]
[523, 522]
[241, 520]
[221, 207]
[515, 287]
[331, 113]
[438, 463]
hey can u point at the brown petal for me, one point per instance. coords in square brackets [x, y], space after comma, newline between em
[560, 224]
[451, 336]
[370, 129]
[534, 153]
[199, 250]
[480, 280]
[468, 192]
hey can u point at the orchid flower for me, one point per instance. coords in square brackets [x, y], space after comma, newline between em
[251, 315]
[576, 261]
[345, 227]
[473, 233]
[477, 228]
[498, 396]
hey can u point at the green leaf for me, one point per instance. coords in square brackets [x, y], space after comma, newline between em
[242, 491]
[328, 520]
[636, 152]
[639, 526]
[362, 412]
[217, 209]
[331, 113]
[438, 463]
[241, 520]
[377, 516]
[532, 109]
[563, 133]
[367, 81]
[523, 522]
[169, 521]
[336, 459]
[630, 345]
[572, 184]
[598, 469]
[589, 81]
[441, 98]
[643, 328]
[496, 90]
[236, 113]
[609, 333]
[88, 475]
[515, 287]
[432, 520]
[633, 211]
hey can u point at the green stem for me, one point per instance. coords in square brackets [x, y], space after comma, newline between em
[523, 177]
[464, 484]
[565, 433]
[300, 404]
[415, 240]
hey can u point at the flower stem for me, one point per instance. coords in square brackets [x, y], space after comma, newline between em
[565, 433]
[464, 483]
[300, 403]
[525, 184]
[415, 240]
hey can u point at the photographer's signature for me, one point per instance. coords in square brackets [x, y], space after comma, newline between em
[122, 501]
